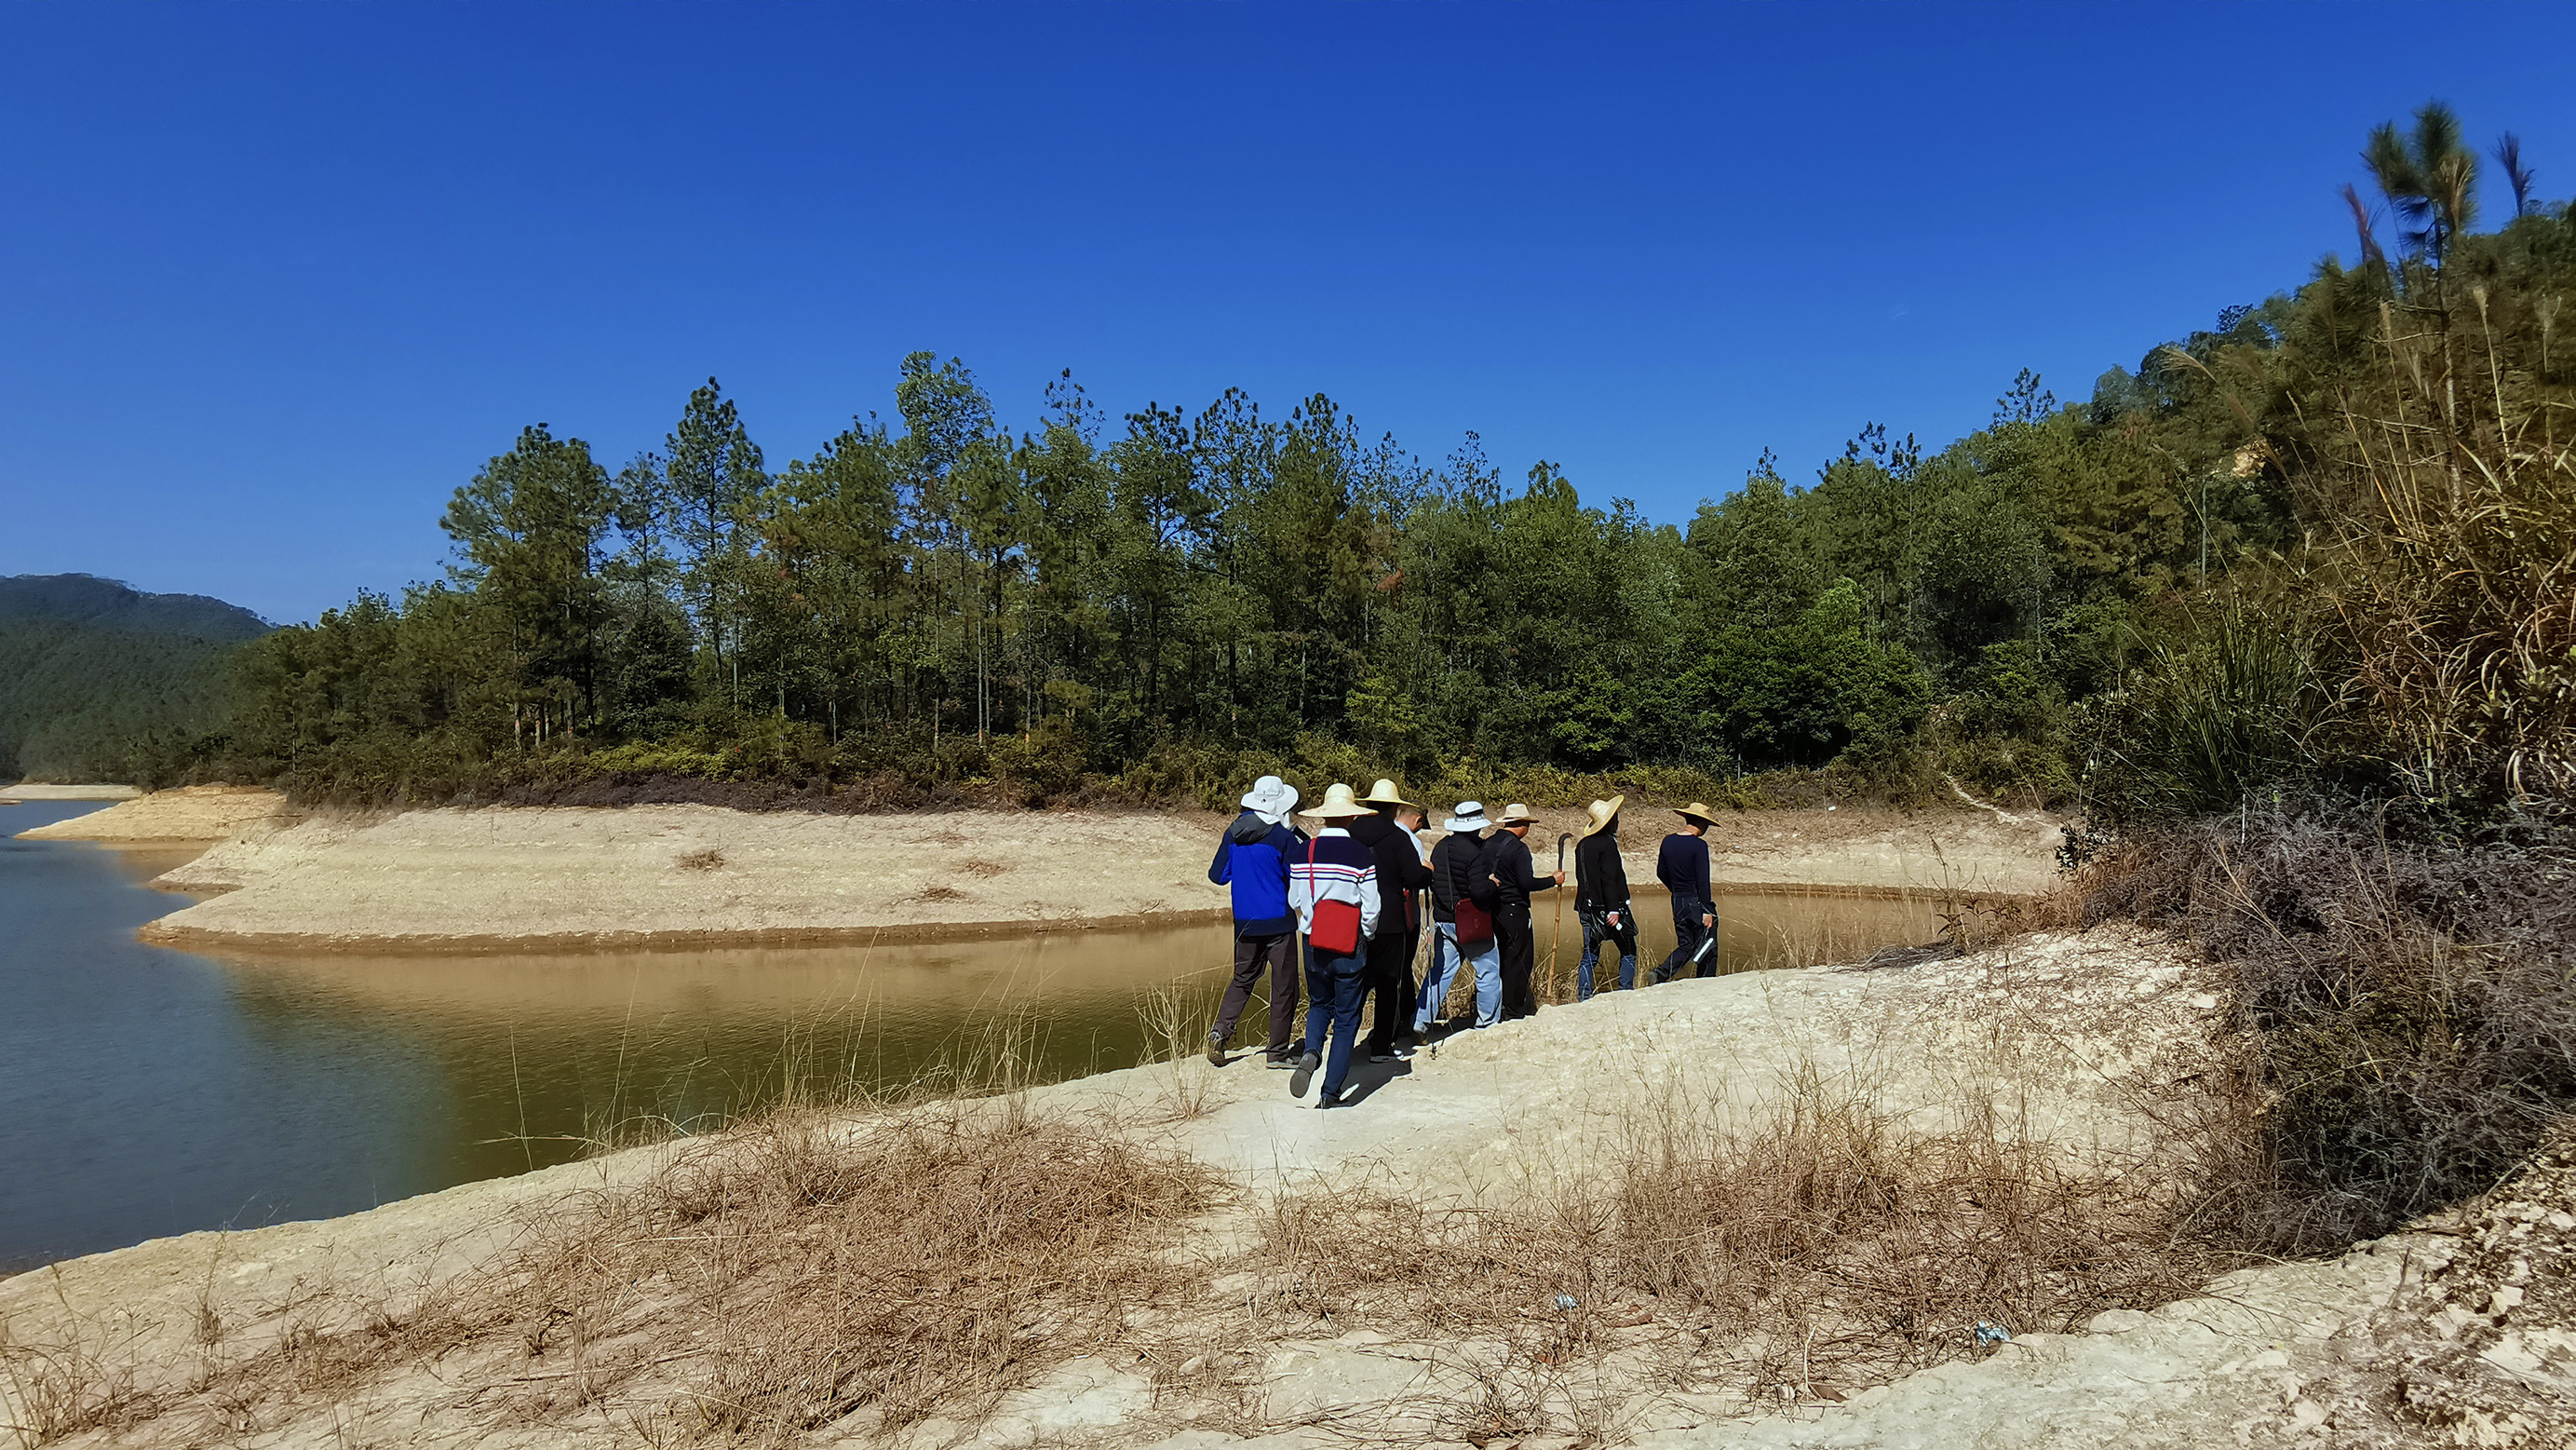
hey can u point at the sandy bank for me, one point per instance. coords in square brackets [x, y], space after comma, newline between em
[672, 876]
[188, 813]
[2062, 1032]
[25, 791]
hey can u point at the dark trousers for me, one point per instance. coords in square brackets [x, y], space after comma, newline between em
[1334, 986]
[1252, 956]
[1687, 935]
[1390, 978]
[1601, 939]
[1520, 954]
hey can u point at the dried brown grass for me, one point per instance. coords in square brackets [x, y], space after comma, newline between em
[1823, 1246]
[798, 1273]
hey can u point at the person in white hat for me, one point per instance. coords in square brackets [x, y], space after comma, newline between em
[1332, 886]
[1506, 863]
[1601, 898]
[1462, 926]
[1252, 858]
[1401, 876]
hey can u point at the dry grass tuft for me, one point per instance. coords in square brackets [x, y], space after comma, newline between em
[794, 1274]
[707, 860]
[1817, 1249]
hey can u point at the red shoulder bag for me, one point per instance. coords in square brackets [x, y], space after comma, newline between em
[1332, 926]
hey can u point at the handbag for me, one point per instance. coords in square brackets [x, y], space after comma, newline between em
[1331, 926]
[1475, 924]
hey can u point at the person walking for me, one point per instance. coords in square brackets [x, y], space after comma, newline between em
[1682, 865]
[1506, 863]
[1252, 858]
[1332, 886]
[1601, 898]
[1401, 875]
[1462, 927]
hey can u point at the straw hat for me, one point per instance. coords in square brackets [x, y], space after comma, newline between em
[1271, 799]
[1698, 811]
[1517, 814]
[1383, 794]
[1338, 805]
[1602, 814]
[1470, 816]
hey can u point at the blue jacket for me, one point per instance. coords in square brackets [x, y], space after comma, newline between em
[1253, 858]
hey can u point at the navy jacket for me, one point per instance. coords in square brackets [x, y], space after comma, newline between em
[1507, 860]
[1253, 858]
[1682, 865]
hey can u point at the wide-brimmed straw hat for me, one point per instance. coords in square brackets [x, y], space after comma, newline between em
[1470, 816]
[1602, 814]
[1271, 799]
[1517, 814]
[1698, 811]
[1383, 794]
[1338, 805]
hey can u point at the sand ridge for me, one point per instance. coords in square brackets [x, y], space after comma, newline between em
[186, 813]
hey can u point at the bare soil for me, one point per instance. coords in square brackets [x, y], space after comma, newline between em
[188, 813]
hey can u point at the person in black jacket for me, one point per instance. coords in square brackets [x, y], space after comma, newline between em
[1401, 876]
[1506, 866]
[1682, 865]
[1601, 898]
[1453, 880]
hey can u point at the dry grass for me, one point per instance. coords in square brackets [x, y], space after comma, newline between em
[795, 1274]
[707, 860]
[1823, 1247]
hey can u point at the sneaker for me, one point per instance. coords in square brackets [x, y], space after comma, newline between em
[1382, 1057]
[1280, 1064]
[1323, 1102]
[1304, 1074]
[1216, 1049]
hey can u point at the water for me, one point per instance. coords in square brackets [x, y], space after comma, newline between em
[146, 1091]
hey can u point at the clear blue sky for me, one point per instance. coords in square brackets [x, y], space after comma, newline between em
[274, 279]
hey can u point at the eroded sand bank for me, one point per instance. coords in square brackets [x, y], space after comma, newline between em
[671, 875]
[25, 791]
[187, 813]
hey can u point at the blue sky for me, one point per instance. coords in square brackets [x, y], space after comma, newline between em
[275, 279]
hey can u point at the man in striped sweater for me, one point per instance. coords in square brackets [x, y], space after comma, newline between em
[1331, 882]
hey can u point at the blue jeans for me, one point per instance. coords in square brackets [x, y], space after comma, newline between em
[1597, 932]
[1487, 959]
[1335, 986]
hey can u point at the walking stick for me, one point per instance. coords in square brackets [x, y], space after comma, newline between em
[1558, 929]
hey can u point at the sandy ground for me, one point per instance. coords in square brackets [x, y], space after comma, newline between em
[27, 790]
[2061, 1032]
[667, 876]
[189, 813]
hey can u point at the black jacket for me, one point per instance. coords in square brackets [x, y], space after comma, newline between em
[1507, 860]
[1400, 871]
[1453, 872]
[1682, 865]
[1600, 877]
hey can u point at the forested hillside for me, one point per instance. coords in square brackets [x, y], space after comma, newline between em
[97, 678]
[2241, 557]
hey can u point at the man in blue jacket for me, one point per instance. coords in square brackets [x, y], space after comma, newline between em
[1253, 859]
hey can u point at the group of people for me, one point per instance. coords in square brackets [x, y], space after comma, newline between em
[1345, 907]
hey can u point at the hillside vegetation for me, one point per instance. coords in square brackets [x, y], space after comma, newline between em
[102, 682]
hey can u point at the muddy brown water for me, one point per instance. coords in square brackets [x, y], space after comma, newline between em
[146, 1091]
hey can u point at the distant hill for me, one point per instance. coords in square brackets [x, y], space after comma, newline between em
[97, 679]
[88, 599]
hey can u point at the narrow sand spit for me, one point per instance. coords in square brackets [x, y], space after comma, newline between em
[2067, 1035]
[188, 813]
[560, 877]
[28, 790]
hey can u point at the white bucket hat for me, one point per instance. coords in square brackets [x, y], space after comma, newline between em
[1271, 799]
[1470, 816]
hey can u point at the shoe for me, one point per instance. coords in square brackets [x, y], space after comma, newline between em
[1280, 1064]
[1381, 1057]
[1216, 1049]
[1321, 1103]
[1304, 1074]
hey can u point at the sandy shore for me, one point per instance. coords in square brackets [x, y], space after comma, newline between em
[2062, 1031]
[188, 813]
[673, 876]
[26, 791]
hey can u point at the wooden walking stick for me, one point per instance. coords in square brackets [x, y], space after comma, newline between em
[1554, 990]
